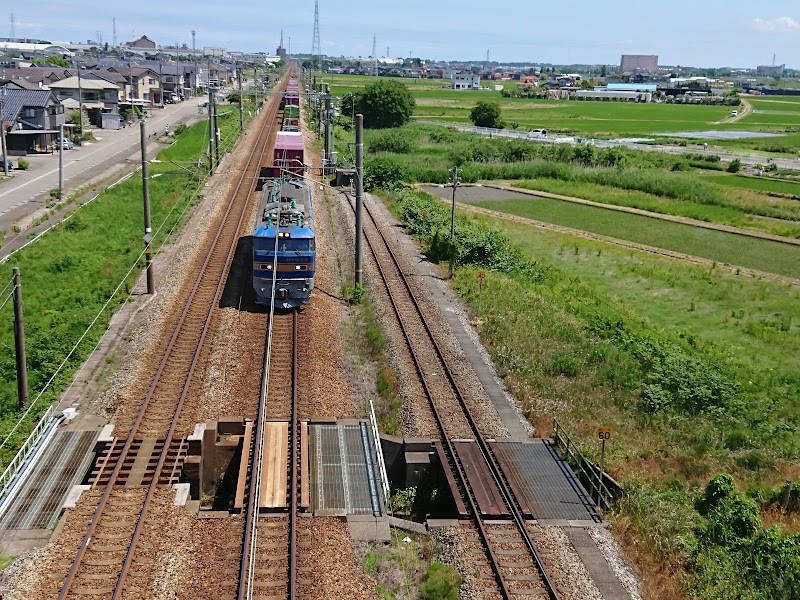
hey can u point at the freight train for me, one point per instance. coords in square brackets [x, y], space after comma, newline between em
[284, 245]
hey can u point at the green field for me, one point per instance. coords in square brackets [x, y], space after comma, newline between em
[437, 102]
[719, 246]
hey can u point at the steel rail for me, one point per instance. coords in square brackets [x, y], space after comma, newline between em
[508, 496]
[167, 354]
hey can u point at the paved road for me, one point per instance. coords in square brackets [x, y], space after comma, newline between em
[28, 190]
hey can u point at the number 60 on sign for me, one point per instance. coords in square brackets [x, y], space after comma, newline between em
[603, 434]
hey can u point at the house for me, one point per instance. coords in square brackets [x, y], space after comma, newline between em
[143, 42]
[528, 82]
[32, 119]
[465, 81]
[143, 87]
[99, 98]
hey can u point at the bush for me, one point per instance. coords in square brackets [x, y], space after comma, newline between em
[393, 140]
[486, 114]
[734, 166]
[382, 173]
[441, 582]
[180, 128]
[385, 103]
[23, 164]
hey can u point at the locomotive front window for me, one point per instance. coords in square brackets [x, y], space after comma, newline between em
[295, 245]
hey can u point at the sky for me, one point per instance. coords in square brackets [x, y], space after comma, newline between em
[703, 33]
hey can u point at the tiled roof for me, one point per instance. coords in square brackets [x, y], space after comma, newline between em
[15, 100]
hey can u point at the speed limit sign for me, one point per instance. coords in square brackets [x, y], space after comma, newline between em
[603, 434]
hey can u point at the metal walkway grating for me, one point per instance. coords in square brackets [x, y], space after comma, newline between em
[37, 503]
[543, 483]
[343, 471]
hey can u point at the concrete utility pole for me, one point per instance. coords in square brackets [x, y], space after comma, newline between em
[455, 183]
[327, 161]
[60, 162]
[241, 107]
[80, 104]
[148, 232]
[216, 132]
[359, 192]
[210, 131]
[19, 342]
[3, 131]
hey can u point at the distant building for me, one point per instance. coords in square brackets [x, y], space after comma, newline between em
[638, 62]
[142, 42]
[465, 81]
[770, 69]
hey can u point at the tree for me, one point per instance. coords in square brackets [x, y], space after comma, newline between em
[604, 71]
[486, 114]
[385, 103]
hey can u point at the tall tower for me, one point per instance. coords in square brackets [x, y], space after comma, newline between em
[316, 50]
[114, 25]
[12, 28]
[374, 55]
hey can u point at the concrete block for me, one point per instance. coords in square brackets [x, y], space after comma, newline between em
[74, 495]
[374, 529]
[432, 523]
[418, 445]
[181, 494]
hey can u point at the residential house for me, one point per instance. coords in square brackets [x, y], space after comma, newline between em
[465, 81]
[144, 43]
[32, 119]
[99, 98]
[143, 86]
[528, 82]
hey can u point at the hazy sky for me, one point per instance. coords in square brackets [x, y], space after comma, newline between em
[682, 32]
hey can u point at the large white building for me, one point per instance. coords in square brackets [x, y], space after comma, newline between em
[465, 81]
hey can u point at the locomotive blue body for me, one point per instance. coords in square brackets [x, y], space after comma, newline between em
[284, 248]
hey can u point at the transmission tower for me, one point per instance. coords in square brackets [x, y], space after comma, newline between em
[316, 50]
[13, 33]
[374, 55]
[114, 35]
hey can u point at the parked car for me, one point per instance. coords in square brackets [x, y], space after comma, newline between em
[734, 113]
[9, 164]
[66, 143]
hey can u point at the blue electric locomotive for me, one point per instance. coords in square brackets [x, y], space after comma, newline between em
[283, 244]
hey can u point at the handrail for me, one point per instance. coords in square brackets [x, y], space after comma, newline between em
[20, 460]
[598, 491]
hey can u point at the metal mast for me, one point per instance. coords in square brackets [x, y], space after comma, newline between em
[316, 50]
[13, 32]
[114, 24]
[374, 56]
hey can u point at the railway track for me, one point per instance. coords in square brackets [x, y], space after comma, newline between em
[518, 569]
[268, 567]
[120, 516]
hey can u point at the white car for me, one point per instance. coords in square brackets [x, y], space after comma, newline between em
[734, 113]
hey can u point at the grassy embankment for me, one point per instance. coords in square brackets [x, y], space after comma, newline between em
[70, 273]
[686, 364]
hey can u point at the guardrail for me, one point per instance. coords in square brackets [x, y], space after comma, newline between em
[379, 451]
[26, 451]
[603, 490]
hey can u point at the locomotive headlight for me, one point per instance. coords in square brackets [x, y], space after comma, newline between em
[298, 268]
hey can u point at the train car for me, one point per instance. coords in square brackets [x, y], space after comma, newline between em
[284, 247]
[288, 156]
[291, 97]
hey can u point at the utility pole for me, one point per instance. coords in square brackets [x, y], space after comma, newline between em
[161, 78]
[241, 108]
[3, 131]
[455, 182]
[148, 232]
[359, 192]
[327, 161]
[80, 103]
[216, 131]
[210, 131]
[60, 162]
[19, 342]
